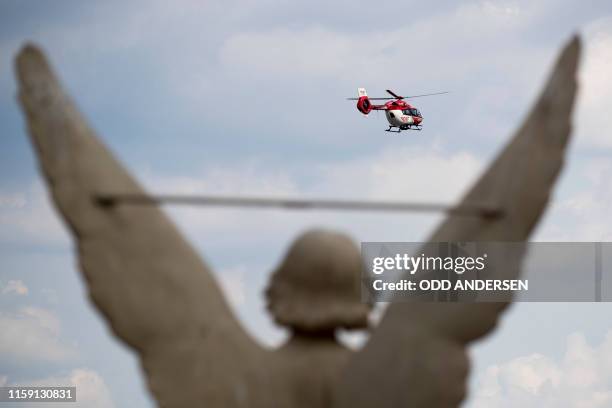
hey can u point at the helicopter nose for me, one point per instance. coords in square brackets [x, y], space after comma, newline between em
[418, 120]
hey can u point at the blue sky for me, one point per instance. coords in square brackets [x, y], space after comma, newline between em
[247, 97]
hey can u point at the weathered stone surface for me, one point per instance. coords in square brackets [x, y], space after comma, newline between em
[320, 301]
[160, 298]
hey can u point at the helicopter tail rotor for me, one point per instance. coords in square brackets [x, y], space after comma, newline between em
[363, 102]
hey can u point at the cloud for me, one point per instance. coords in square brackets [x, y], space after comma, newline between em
[333, 51]
[356, 339]
[312, 52]
[32, 334]
[583, 378]
[508, 9]
[242, 179]
[583, 214]
[592, 120]
[233, 283]
[14, 286]
[33, 221]
[412, 174]
[12, 200]
[91, 389]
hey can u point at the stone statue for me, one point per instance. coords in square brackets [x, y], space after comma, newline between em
[161, 299]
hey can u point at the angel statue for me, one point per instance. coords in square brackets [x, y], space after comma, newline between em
[161, 299]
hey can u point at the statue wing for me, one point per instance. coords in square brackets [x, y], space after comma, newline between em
[416, 357]
[149, 283]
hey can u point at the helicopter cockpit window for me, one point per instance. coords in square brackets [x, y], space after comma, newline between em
[412, 112]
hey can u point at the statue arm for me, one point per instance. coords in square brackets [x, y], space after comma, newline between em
[142, 275]
[418, 349]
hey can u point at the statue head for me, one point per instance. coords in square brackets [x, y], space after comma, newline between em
[316, 288]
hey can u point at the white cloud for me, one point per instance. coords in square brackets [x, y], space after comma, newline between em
[12, 200]
[34, 221]
[312, 52]
[14, 286]
[316, 51]
[583, 378]
[402, 174]
[32, 334]
[507, 9]
[355, 339]
[245, 179]
[593, 121]
[233, 283]
[584, 213]
[91, 389]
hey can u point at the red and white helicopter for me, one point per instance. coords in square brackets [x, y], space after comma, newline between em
[400, 114]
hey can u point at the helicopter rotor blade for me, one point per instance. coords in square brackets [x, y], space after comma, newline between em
[400, 97]
[390, 92]
[372, 99]
[429, 94]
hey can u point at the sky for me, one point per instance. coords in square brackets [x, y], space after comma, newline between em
[248, 97]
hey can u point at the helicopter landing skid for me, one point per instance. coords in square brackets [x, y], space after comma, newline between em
[393, 131]
[406, 127]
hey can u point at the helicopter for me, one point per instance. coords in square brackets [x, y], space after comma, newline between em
[401, 115]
